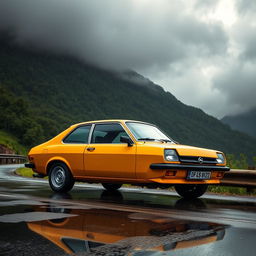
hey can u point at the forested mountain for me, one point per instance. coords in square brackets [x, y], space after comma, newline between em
[245, 122]
[43, 93]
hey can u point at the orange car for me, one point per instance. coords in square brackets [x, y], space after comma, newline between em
[114, 152]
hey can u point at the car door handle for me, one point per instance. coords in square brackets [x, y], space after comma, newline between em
[90, 149]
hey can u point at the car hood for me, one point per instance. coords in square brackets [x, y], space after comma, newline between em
[184, 150]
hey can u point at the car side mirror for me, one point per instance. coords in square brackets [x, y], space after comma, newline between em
[127, 140]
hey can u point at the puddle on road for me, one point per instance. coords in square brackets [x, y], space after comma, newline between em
[32, 217]
[60, 226]
[60, 230]
[99, 231]
[20, 202]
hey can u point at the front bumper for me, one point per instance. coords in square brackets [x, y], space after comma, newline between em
[166, 166]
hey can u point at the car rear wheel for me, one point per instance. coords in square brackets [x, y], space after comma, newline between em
[111, 187]
[191, 191]
[60, 178]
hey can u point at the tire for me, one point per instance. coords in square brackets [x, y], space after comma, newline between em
[191, 191]
[60, 178]
[111, 187]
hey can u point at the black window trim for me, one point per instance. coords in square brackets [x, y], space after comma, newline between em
[111, 122]
[83, 125]
[86, 245]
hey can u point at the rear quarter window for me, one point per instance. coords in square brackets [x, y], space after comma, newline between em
[79, 135]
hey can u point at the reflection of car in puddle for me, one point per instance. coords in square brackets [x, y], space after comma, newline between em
[185, 204]
[113, 196]
[99, 230]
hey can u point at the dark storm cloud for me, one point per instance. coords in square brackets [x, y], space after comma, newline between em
[113, 33]
[185, 45]
[245, 36]
[239, 85]
[206, 4]
[245, 6]
[244, 30]
[237, 81]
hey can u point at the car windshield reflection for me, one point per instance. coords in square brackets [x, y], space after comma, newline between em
[147, 132]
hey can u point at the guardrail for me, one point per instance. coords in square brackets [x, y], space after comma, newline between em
[12, 159]
[240, 178]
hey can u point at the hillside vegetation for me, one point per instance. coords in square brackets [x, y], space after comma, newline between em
[9, 144]
[42, 94]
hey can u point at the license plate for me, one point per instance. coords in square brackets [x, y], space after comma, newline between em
[198, 175]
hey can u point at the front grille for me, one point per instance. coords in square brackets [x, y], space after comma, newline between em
[195, 160]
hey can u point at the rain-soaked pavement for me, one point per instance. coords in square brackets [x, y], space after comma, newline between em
[92, 221]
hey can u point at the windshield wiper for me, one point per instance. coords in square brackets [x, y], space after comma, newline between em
[166, 140]
[150, 139]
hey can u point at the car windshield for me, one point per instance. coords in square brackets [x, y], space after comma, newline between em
[143, 131]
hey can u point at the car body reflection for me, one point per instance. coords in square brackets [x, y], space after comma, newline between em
[101, 230]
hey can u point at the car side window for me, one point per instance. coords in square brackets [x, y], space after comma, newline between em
[108, 133]
[79, 135]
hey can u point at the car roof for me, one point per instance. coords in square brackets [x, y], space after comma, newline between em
[109, 121]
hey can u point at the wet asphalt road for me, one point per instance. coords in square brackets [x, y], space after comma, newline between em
[92, 221]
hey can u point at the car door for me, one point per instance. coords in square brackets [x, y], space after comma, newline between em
[73, 148]
[106, 156]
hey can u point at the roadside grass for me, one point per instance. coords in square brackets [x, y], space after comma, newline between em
[25, 172]
[228, 190]
[12, 143]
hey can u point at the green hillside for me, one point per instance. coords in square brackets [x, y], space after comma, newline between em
[11, 143]
[245, 122]
[45, 93]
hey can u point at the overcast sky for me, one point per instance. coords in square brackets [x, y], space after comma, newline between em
[202, 51]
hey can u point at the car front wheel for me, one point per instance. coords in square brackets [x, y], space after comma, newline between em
[111, 187]
[191, 191]
[60, 178]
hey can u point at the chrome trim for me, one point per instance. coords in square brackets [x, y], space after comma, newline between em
[90, 133]
[58, 176]
[166, 166]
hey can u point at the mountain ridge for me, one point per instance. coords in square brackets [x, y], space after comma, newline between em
[244, 122]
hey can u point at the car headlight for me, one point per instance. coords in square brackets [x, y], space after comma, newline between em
[220, 158]
[171, 155]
